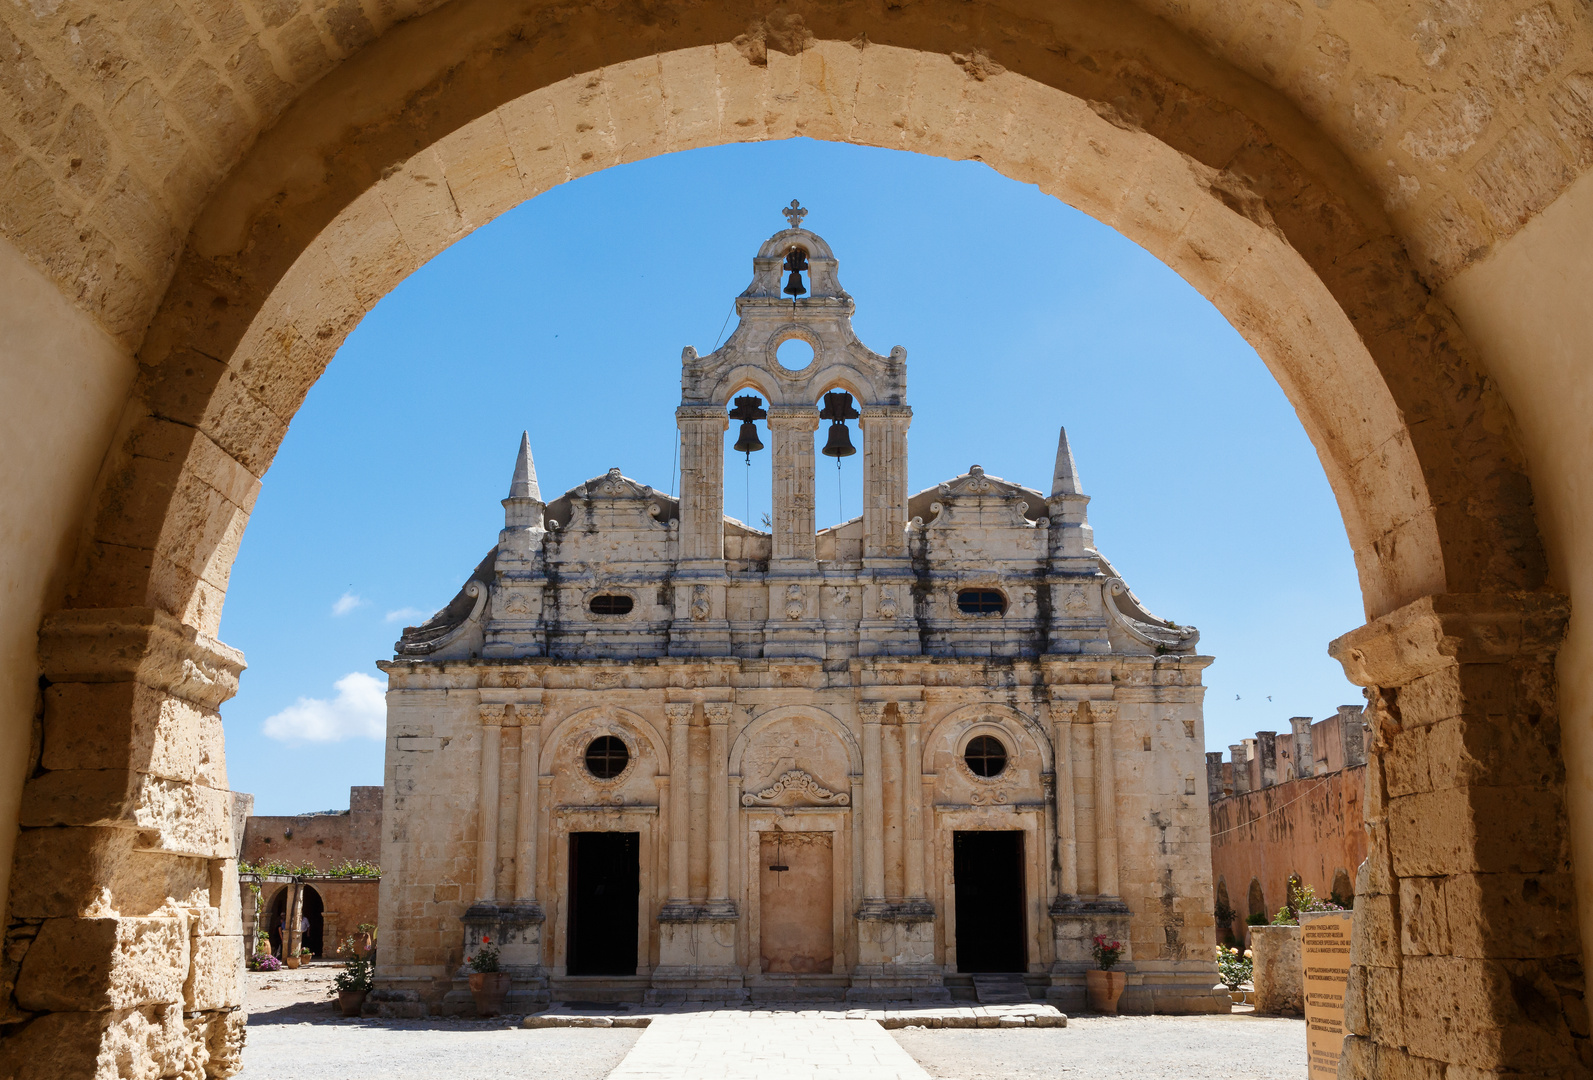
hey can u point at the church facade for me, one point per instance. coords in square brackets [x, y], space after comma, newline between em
[652, 753]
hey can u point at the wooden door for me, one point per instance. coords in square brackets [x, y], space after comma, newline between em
[796, 903]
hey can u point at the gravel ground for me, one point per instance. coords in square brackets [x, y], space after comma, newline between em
[1237, 1047]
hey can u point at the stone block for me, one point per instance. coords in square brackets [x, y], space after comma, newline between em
[177, 818]
[88, 964]
[71, 868]
[1385, 1016]
[1511, 915]
[1424, 918]
[106, 1045]
[127, 725]
[1465, 830]
[1278, 975]
[1483, 1013]
[1375, 942]
[214, 979]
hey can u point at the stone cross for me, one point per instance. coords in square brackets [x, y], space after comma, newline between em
[794, 214]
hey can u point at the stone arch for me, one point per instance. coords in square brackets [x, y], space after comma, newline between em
[1342, 890]
[554, 738]
[827, 720]
[1014, 722]
[1256, 901]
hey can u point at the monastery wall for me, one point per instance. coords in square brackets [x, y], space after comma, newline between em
[323, 839]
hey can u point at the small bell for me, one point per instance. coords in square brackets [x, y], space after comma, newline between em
[748, 410]
[838, 410]
[796, 261]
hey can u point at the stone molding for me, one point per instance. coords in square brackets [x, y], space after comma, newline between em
[146, 645]
[1435, 632]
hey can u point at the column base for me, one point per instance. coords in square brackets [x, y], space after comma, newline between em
[896, 953]
[683, 983]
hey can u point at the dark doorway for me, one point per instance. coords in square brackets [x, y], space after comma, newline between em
[277, 920]
[987, 872]
[605, 883]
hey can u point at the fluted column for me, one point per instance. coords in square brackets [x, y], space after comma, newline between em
[911, 712]
[872, 712]
[718, 716]
[885, 480]
[702, 481]
[491, 757]
[679, 801]
[525, 825]
[1102, 714]
[791, 428]
[1063, 714]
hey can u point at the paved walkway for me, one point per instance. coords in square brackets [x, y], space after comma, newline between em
[735, 1045]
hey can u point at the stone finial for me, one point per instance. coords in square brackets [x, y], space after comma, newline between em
[524, 484]
[1065, 477]
[794, 214]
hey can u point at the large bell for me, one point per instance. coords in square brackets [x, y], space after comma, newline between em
[839, 444]
[749, 409]
[796, 261]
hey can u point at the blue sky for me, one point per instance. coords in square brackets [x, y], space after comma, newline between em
[566, 317]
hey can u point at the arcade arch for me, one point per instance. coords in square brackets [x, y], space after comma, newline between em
[1222, 179]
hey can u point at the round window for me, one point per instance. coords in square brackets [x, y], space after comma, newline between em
[606, 757]
[985, 756]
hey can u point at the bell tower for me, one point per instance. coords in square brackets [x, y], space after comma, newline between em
[795, 293]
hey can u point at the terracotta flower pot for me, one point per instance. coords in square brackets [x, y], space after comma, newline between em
[489, 989]
[349, 1002]
[1104, 988]
[290, 962]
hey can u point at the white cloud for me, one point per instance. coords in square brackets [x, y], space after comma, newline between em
[347, 603]
[358, 712]
[404, 613]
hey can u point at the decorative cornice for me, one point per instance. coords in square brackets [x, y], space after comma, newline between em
[793, 788]
[144, 645]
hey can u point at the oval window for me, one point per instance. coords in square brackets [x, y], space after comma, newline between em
[611, 604]
[985, 756]
[981, 602]
[606, 757]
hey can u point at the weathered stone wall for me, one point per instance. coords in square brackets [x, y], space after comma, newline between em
[1311, 827]
[1278, 976]
[323, 839]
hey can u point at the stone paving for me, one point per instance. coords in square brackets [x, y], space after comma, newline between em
[735, 1045]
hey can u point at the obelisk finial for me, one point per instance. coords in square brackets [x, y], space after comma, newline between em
[794, 214]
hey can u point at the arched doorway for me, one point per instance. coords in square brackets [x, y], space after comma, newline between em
[313, 930]
[1274, 227]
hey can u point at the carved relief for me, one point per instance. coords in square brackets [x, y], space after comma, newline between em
[793, 601]
[700, 605]
[796, 788]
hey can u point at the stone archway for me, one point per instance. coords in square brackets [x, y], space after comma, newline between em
[455, 117]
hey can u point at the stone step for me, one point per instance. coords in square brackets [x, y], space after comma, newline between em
[1002, 989]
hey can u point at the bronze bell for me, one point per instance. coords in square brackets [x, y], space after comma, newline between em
[796, 261]
[838, 410]
[748, 410]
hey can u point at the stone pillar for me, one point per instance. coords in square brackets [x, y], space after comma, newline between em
[1267, 757]
[872, 712]
[293, 940]
[702, 482]
[885, 480]
[1063, 713]
[1214, 784]
[492, 717]
[1102, 713]
[1466, 951]
[126, 806]
[525, 825]
[1304, 754]
[718, 715]
[679, 714]
[911, 713]
[791, 429]
[1241, 768]
[1352, 729]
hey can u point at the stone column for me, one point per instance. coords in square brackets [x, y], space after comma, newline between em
[1267, 757]
[1241, 768]
[872, 712]
[791, 429]
[1467, 827]
[679, 714]
[885, 480]
[1214, 784]
[492, 717]
[702, 481]
[1304, 755]
[718, 716]
[1352, 729]
[1102, 713]
[1063, 713]
[294, 940]
[911, 713]
[525, 825]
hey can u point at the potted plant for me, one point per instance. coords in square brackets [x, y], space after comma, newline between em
[305, 956]
[289, 962]
[489, 986]
[353, 983]
[1103, 985]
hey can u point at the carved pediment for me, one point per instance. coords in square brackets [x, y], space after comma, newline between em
[796, 788]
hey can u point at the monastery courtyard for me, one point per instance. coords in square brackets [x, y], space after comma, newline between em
[294, 1032]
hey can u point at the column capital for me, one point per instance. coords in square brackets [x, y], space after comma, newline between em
[886, 412]
[871, 712]
[706, 415]
[530, 712]
[793, 417]
[493, 714]
[679, 712]
[1066, 709]
[1103, 712]
[911, 712]
[1438, 632]
[717, 712]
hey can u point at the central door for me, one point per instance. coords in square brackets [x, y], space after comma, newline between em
[605, 883]
[987, 874]
[796, 902]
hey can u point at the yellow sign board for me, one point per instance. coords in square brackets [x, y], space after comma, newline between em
[1325, 956]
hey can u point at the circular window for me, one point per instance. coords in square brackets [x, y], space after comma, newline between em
[981, 602]
[606, 757]
[985, 756]
[611, 604]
